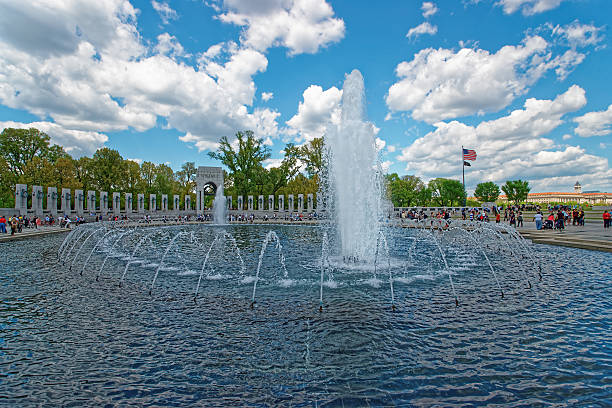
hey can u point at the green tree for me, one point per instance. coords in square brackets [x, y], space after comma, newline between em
[39, 171]
[7, 183]
[107, 170]
[132, 182]
[83, 172]
[487, 192]
[186, 177]
[406, 191]
[278, 177]
[311, 154]
[19, 146]
[447, 192]
[64, 173]
[245, 163]
[164, 180]
[516, 190]
[147, 176]
[424, 197]
[300, 185]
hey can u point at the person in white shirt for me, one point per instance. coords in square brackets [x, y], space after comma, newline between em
[538, 220]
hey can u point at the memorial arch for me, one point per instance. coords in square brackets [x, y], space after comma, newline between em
[208, 180]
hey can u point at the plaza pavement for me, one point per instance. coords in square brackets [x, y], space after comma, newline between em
[591, 236]
[32, 232]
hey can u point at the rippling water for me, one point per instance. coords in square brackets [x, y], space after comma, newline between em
[70, 340]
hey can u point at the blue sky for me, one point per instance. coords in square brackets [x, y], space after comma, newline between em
[523, 82]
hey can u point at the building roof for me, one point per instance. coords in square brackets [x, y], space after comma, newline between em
[503, 196]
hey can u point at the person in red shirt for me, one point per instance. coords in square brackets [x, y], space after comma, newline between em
[606, 219]
[2, 225]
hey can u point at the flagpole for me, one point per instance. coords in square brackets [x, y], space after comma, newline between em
[463, 174]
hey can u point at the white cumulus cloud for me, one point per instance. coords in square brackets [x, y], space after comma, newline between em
[316, 111]
[266, 96]
[302, 26]
[385, 165]
[168, 45]
[443, 84]
[595, 123]
[429, 9]
[85, 66]
[166, 13]
[528, 7]
[576, 34]
[423, 28]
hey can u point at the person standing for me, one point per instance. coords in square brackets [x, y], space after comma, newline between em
[2, 225]
[538, 220]
[560, 221]
[14, 225]
[512, 219]
[606, 219]
[519, 219]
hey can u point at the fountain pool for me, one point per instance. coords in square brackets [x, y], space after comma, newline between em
[67, 338]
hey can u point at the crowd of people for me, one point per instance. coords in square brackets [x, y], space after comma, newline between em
[557, 217]
[18, 223]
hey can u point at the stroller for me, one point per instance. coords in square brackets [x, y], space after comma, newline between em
[548, 224]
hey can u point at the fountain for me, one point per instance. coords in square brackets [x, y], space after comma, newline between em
[353, 186]
[220, 207]
[353, 239]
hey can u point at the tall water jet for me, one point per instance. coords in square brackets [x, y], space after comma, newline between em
[353, 185]
[220, 207]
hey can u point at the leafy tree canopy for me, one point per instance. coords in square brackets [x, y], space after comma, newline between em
[516, 190]
[487, 192]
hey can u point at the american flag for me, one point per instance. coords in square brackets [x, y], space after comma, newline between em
[469, 154]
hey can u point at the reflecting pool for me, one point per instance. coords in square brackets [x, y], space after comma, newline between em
[70, 339]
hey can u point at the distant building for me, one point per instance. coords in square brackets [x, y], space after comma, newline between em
[587, 197]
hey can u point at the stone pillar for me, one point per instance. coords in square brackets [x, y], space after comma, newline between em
[128, 203]
[37, 200]
[290, 204]
[228, 200]
[270, 203]
[177, 202]
[300, 203]
[140, 203]
[260, 203]
[91, 201]
[164, 203]
[152, 203]
[117, 204]
[187, 202]
[281, 203]
[52, 200]
[309, 203]
[250, 203]
[21, 198]
[240, 204]
[318, 206]
[103, 202]
[199, 206]
[79, 202]
[66, 200]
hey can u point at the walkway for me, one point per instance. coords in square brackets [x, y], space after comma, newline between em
[592, 236]
[32, 233]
